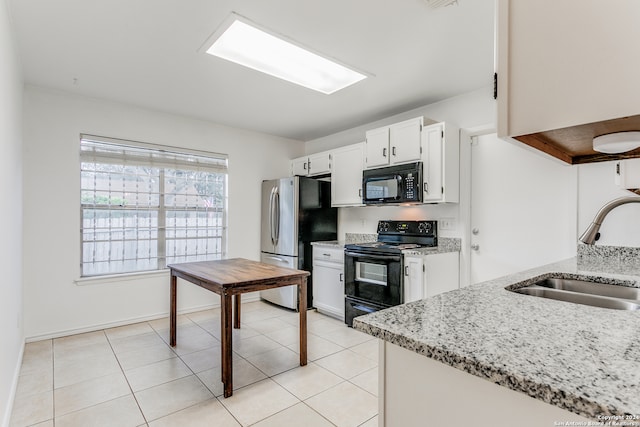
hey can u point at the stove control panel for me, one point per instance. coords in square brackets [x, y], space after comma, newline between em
[420, 228]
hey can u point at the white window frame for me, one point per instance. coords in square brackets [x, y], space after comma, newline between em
[103, 150]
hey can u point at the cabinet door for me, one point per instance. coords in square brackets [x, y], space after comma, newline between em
[441, 273]
[405, 141]
[413, 278]
[346, 176]
[433, 138]
[377, 147]
[300, 166]
[320, 163]
[328, 288]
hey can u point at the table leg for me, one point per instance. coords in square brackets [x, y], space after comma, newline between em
[172, 310]
[236, 311]
[302, 308]
[226, 332]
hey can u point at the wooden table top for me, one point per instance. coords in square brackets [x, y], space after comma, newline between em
[235, 271]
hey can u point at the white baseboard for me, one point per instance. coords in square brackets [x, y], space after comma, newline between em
[250, 297]
[14, 388]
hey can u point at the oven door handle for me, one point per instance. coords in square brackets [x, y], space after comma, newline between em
[374, 257]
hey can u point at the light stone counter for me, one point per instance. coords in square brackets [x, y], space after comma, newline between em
[580, 358]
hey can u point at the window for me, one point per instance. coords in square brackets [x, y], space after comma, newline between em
[144, 207]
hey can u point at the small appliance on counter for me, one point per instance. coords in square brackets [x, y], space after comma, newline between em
[374, 272]
[295, 212]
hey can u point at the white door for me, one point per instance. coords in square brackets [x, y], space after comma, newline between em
[523, 209]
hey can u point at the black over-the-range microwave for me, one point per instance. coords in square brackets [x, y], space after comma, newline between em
[393, 184]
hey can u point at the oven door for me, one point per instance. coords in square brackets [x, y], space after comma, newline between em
[374, 277]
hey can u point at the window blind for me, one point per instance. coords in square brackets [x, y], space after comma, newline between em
[145, 206]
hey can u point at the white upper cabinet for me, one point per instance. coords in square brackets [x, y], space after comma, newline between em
[394, 144]
[313, 165]
[567, 71]
[440, 163]
[346, 175]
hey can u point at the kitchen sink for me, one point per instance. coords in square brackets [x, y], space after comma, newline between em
[583, 292]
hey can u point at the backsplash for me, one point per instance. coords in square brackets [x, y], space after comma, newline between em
[618, 259]
[359, 238]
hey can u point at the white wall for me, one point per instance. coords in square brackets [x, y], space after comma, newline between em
[10, 215]
[471, 110]
[596, 187]
[54, 303]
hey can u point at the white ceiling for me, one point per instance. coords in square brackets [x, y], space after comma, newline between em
[145, 52]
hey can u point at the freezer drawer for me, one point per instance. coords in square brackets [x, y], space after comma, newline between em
[286, 296]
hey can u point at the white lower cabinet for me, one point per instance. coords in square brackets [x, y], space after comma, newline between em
[429, 275]
[328, 281]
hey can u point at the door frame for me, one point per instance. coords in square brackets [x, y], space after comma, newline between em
[466, 139]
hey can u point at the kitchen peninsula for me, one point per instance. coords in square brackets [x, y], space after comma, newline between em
[485, 356]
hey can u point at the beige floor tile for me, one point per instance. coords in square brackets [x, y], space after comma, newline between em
[275, 361]
[368, 381]
[286, 335]
[258, 401]
[258, 315]
[69, 371]
[346, 364]
[157, 373]
[213, 327]
[346, 337]
[37, 382]
[88, 393]
[244, 373]
[163, 323]
[183, 331]
[145, 356]
[373, 422]
[48, 423]
[200, 316]
[206, 414]
[268, 325]
[196, 342]
[254, 345]
[345, 405]
[317, 347]
[306, 381]
[165, 399]
[369, 349]
[37, 362]
[203, 360]
[136, 342]
[295, 416]
[325, 325]
[128, 330]
[33, 409]
[74, 342]
[38, 350]
[121, 412]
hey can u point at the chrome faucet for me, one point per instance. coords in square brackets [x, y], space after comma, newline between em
[591, 234]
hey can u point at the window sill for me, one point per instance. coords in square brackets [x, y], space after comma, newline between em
[114, 278]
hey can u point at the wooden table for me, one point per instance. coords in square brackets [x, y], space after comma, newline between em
[230, 278]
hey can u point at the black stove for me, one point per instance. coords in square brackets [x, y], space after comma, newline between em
[374, 272]
[397, 236]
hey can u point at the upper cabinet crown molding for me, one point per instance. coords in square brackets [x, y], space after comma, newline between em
[567, 73]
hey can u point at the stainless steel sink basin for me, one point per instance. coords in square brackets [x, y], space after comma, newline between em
[584, 292]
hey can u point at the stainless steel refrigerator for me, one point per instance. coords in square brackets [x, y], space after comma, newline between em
[295, 212]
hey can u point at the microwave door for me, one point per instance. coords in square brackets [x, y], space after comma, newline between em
[382, 188]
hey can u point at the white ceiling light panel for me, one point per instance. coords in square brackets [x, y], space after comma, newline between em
[245, 44]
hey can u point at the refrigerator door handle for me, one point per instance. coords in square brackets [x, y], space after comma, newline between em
[276, 205]
[271, 215]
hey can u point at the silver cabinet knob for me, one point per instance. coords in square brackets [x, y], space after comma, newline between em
[475, 246]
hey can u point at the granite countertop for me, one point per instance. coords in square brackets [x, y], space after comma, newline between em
[444, 244]
[580, 358]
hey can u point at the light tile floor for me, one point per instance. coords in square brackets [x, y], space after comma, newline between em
[130, 376]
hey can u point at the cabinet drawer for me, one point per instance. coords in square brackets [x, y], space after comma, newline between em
[326, 254]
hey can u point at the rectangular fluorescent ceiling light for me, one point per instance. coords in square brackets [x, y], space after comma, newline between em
[247, 45]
